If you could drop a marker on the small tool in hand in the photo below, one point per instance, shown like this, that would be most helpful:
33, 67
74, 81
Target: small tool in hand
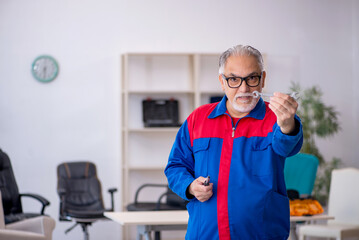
257, 94
206, 181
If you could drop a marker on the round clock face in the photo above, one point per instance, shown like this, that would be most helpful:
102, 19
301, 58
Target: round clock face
44, 68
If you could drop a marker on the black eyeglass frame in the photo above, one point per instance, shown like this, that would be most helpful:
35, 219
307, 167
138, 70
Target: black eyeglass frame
245, 79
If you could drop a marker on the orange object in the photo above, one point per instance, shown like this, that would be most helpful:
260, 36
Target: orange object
301, 207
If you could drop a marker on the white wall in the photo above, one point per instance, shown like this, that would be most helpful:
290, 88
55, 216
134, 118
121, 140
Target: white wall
355, 86
77, 115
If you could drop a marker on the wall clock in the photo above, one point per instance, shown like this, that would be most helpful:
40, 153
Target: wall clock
44, 68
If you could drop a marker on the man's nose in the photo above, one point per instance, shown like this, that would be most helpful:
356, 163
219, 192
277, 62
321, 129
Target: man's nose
244, 87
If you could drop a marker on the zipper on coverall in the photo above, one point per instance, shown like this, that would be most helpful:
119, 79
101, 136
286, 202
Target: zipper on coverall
233, 126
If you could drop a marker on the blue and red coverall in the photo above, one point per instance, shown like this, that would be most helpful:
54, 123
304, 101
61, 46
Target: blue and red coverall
245, 161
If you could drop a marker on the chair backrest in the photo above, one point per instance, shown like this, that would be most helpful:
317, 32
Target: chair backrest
300, 172
81, 185
8, 187
344, 196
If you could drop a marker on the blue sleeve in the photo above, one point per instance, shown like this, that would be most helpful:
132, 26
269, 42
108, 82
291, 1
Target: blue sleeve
180, 167
287, 145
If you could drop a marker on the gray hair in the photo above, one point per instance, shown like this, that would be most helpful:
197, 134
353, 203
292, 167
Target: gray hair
240, 50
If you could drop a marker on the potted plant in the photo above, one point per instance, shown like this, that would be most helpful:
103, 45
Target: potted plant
319, 121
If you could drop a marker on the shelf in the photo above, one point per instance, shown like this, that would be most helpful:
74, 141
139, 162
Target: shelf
144, 168
190, 78
153, 130
158, 92
172, 54
212, 92
151, 54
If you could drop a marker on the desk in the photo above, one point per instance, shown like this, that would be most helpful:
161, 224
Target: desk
149, 221
295, 219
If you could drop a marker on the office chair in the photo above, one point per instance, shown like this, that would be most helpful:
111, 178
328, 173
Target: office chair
343, 205
80, 195
37, 228
172, 200
166, 201
11, 198
300, 172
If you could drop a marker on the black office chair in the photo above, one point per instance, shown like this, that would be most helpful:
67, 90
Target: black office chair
167, 201
11, 198
172, 200
80, 195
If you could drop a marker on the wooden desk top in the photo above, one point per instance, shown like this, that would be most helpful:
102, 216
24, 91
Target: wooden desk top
310, 218
177, 217
149, 217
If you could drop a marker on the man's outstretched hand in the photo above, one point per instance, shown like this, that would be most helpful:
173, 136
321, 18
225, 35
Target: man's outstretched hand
284, 107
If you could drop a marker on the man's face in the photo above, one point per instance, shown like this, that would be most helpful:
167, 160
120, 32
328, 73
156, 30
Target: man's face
239, 104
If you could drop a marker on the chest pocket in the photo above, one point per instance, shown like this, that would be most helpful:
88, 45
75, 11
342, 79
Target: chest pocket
262, 155
261, 144
201, 156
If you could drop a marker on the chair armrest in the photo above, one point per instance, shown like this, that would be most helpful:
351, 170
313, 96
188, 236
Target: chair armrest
172, 200
147, 185
19, 235
43, 225
112, 191
158, 206
41, 199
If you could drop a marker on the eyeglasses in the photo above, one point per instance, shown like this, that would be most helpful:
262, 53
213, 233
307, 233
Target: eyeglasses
236, 82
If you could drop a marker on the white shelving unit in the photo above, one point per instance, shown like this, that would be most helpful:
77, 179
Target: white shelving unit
191, 78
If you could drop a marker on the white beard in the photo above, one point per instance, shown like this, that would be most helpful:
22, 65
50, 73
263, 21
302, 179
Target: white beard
248, 107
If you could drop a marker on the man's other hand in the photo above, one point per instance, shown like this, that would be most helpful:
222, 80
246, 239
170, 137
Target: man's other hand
200, 191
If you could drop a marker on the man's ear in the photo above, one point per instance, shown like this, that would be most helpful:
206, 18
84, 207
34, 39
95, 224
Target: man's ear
263, 80
221, 81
